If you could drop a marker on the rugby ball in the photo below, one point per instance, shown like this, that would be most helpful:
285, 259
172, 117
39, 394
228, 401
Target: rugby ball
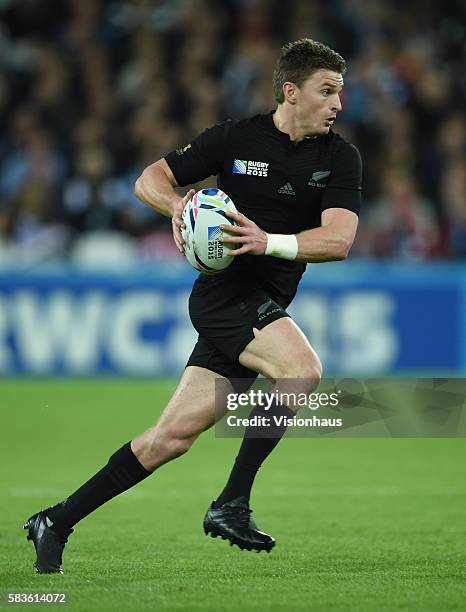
202, 216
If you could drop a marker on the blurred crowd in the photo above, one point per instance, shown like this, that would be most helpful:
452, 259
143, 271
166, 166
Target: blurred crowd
92, 91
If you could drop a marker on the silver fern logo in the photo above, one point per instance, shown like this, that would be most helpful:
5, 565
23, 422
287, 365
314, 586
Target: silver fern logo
319, 178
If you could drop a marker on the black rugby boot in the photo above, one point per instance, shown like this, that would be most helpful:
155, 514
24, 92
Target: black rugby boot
48, 543
233, 522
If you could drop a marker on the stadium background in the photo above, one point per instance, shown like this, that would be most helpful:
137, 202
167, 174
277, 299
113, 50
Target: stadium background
93, 291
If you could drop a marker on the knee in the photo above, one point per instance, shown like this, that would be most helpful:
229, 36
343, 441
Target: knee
161, 446
308, 370
171, 444
315, 371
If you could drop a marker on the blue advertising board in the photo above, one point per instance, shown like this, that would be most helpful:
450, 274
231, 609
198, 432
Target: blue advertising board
363, 319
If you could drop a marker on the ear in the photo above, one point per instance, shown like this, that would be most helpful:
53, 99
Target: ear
289, 92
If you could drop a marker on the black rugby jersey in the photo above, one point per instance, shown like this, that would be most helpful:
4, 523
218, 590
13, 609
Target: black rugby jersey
281, 186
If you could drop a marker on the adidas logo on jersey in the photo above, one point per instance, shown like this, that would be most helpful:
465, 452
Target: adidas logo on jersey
287, 189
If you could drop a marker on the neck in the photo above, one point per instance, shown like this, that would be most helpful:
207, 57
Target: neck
288, 123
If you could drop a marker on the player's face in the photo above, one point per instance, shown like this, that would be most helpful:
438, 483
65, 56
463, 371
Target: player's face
318, 102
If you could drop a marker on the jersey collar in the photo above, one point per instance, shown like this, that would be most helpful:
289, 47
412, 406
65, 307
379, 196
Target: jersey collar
286, 137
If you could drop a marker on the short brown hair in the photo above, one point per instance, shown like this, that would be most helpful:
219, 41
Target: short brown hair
300, 59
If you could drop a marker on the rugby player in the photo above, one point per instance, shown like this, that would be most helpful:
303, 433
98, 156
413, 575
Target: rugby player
297, 187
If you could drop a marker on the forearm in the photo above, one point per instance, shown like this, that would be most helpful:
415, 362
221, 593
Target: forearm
321, 244
155, 189
316, 245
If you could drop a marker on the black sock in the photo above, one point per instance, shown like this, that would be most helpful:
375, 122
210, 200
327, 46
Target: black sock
258, 443
122, 472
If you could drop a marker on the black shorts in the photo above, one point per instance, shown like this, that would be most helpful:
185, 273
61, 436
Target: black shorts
224, 312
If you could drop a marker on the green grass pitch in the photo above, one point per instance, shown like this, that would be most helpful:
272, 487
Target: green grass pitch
361, 524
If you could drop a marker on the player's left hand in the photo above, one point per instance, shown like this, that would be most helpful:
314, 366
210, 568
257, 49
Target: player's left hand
247, 235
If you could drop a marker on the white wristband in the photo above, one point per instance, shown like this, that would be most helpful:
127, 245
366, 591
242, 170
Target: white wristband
284, 246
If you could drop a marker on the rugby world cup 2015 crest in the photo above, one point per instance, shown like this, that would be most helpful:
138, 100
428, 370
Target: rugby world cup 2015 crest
251, 168
215, 248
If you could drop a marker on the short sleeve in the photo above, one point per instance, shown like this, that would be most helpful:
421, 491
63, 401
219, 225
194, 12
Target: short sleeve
343, 189
202, 158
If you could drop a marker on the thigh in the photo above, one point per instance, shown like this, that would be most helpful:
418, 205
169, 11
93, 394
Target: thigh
281, 350
190, 411
206, 355
198, 401
225, 313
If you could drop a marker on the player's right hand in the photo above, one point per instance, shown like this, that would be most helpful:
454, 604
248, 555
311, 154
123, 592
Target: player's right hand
177, 220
